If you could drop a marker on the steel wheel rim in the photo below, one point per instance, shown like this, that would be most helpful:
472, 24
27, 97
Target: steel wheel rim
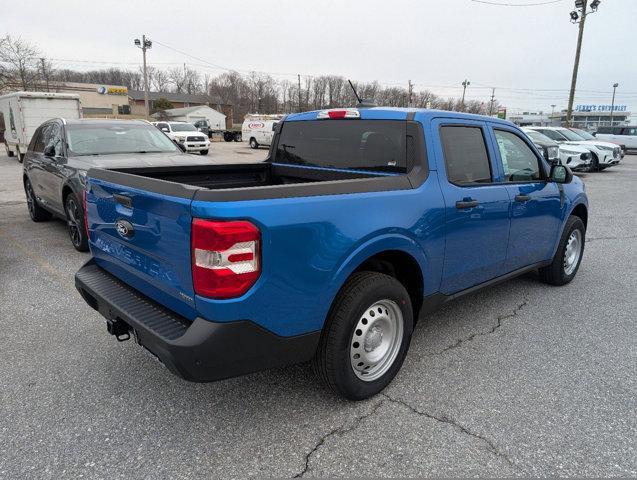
30, 205
573, 251
72, 215
376, 340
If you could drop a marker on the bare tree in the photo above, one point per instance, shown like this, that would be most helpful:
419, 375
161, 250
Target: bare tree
20, 63
177, 79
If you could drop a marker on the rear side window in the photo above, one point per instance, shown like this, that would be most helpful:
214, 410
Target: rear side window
466, 155
604, 130
377, 145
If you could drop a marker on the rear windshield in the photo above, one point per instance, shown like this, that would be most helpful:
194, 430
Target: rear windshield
377, 145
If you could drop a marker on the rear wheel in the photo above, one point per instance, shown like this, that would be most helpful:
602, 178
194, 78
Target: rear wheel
366, 336
568, 256
227, 136
594, 164
75, 223
237, 137
203, 152
9, 151
253, 143
36, 212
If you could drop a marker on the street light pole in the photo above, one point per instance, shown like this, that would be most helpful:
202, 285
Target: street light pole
552, 112
145, 44
612, 105
464, 89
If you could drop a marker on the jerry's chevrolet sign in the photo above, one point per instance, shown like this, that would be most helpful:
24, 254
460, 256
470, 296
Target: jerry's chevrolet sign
104, 90
601, 108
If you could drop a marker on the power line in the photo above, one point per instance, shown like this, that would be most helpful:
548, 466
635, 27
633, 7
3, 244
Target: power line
537, 4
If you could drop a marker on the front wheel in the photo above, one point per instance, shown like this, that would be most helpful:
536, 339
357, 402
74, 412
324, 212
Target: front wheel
9, 151
366, 336
568, 256
594, 164
254, 144
75, 223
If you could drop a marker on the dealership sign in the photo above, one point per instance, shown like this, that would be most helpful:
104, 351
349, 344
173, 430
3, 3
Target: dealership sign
601, 108
103, 90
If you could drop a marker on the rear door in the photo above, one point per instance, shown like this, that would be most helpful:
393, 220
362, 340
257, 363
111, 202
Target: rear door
476, 208
143, 237
536, 206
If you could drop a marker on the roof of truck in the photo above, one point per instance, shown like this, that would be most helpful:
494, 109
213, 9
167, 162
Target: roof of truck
395, 113
102, 121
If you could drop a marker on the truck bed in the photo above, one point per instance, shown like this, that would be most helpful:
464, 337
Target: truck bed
233, 182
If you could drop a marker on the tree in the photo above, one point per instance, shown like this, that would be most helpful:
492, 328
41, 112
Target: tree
20, 64
162, 104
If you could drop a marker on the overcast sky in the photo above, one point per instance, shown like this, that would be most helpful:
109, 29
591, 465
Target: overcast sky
525, 52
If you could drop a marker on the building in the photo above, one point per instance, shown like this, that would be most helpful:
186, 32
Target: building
97, 99
194, 114
590, 117
530, 119
179, 100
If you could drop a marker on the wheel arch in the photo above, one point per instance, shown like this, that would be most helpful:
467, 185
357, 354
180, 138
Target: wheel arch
580, 210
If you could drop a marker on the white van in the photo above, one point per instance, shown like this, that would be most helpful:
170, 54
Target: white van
626, 136
258, 129
21, 113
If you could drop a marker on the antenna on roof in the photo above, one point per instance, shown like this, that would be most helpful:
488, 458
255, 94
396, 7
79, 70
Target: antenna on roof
354, 90
362, 103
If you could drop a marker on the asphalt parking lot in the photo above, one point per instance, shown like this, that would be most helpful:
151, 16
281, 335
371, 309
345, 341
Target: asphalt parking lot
521, 379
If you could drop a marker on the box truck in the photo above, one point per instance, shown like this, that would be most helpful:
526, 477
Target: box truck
21, 113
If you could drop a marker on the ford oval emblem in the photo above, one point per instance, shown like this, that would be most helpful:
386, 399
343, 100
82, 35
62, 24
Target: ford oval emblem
125, 229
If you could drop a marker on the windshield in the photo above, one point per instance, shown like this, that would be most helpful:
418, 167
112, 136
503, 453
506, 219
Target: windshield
571, 135
553, 135
538, 137
183, 127
105, 139
584, 134
350, 144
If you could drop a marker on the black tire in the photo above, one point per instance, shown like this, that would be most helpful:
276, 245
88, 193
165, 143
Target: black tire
203, 152
237, 137
594, 164
253, 143
36, 212
20, 157
9, 152
227, 136
332, 361
75, 222
556, 273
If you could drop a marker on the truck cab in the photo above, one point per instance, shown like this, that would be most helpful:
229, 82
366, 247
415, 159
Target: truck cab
360, 221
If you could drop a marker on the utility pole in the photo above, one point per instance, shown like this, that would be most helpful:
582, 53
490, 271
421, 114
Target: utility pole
612, 105
410, 93
299, 77
492, 101
552, 112
580, 18
464, 89
145, 44
44, 74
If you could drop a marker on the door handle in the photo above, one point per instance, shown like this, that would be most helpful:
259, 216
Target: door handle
522, 198
466, 204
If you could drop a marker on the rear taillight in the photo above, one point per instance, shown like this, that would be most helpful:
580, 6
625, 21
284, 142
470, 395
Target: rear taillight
225, 257
85, 212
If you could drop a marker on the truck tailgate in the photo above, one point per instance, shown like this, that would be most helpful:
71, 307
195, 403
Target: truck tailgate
143, 238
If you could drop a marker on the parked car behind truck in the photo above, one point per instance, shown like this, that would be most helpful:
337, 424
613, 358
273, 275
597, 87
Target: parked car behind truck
359, 221
24, 112
185, 134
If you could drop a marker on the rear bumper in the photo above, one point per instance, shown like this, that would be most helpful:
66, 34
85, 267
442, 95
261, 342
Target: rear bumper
201, 350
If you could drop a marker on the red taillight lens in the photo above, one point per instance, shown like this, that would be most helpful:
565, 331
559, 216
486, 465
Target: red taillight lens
337, 113
85, 212
225, 257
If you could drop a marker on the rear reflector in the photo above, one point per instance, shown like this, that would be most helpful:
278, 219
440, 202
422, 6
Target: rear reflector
225, 257
339, 113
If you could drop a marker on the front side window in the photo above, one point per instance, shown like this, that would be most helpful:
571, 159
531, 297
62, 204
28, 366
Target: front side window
377, 145
519, 162
113, 138
37, 145
54, 139
465, 154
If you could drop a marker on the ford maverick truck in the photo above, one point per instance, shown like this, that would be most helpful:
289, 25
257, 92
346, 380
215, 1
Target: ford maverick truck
358, 222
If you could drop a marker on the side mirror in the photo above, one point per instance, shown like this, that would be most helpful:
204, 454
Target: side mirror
181, 146
49, 151
561, 174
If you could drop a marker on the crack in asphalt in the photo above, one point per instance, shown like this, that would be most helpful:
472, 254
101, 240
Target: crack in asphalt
341, 430
491, 447
497, 325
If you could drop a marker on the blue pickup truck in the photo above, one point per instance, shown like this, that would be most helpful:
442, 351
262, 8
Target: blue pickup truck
358, 222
